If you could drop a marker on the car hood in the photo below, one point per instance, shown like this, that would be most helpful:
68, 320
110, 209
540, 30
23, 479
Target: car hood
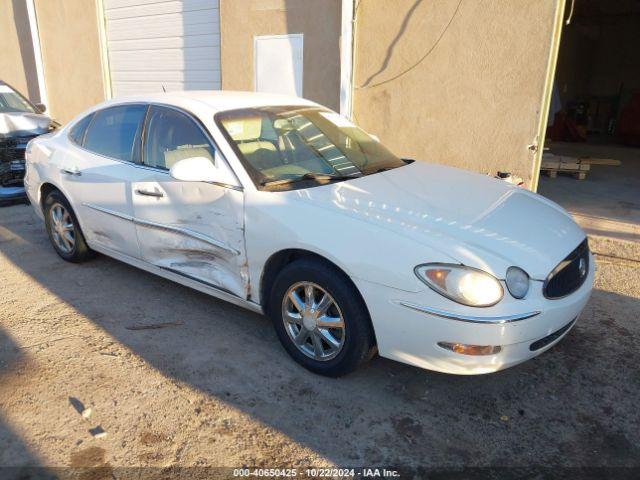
18, 124
477, 220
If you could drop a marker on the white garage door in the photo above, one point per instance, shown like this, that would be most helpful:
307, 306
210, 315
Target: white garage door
154, 44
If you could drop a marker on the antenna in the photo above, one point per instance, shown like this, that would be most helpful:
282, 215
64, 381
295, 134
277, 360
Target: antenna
164, 89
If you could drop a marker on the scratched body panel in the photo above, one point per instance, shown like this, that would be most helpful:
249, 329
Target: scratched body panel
193, 229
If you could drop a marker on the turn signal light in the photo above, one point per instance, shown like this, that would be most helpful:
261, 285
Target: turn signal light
471, 349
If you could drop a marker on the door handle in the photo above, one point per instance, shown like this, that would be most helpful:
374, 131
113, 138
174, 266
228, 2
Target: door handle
147, 193
71, 171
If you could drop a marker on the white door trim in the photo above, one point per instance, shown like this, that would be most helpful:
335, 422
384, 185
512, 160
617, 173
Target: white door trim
346, 59
37, 51
545, 102
104, 50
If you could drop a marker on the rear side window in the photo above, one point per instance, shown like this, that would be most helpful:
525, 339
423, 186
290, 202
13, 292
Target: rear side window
171, 136
77, 131
115, 131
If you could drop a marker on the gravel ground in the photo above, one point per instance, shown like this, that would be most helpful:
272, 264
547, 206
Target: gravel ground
214, 387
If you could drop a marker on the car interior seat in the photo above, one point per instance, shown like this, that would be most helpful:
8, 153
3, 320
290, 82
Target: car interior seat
260, 153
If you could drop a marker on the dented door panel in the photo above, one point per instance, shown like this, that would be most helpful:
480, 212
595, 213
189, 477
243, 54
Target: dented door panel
193, 229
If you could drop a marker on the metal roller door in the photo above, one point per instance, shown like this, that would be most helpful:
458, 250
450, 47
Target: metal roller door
153, 44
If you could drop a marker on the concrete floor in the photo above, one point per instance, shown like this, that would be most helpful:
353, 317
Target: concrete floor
215, 388
607, 202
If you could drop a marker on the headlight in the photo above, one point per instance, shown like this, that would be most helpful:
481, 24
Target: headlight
465, 285
517, 282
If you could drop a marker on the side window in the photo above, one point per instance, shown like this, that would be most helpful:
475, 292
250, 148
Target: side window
77, 131
114, 131
172, 136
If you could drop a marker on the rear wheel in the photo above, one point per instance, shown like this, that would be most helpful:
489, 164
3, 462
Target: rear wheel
64, 230
320, 318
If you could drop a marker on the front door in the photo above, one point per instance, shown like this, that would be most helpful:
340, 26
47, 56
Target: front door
194, 229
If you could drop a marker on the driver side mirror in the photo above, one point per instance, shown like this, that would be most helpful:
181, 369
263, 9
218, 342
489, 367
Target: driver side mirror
201, 169
41, 107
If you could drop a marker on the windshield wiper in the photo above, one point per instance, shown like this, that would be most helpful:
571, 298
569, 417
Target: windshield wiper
306, 176
379, 170
386, 169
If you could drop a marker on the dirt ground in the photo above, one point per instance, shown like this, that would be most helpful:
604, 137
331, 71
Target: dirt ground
214, 388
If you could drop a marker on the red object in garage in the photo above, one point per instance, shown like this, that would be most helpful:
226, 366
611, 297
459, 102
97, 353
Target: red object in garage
629, 124
565, 129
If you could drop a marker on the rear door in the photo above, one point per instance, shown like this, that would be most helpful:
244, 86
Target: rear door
98, 171
194, 229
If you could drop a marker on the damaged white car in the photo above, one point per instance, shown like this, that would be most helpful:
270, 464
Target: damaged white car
284, 207
20, 121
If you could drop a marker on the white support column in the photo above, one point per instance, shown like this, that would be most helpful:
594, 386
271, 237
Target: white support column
104, 51
543, 116
37, 52
346, 59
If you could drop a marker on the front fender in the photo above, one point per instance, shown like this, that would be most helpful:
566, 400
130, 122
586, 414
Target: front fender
360, 249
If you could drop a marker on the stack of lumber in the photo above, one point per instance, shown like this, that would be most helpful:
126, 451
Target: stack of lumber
577, 166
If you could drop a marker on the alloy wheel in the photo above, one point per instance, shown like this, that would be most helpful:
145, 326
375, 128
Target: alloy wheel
62, 228
313, 321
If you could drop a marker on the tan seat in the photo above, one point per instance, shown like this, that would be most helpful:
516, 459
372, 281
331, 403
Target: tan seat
246, 132
171, 157
260, 154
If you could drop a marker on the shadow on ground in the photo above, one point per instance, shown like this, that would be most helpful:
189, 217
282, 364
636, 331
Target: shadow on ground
575, 405
16, 459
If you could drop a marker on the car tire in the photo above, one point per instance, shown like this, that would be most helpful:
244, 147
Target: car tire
64, 230
356, 338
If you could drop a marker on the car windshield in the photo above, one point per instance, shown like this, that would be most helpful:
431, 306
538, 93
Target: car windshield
11, 101
283, 146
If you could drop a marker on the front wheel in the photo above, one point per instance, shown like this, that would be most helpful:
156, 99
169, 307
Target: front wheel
320, 318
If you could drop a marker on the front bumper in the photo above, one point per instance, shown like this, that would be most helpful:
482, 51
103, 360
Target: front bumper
12, 168
12, 193
12, 180
411, 335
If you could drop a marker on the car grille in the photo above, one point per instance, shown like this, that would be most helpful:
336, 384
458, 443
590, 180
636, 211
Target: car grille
543, 342
12, 160
570, 273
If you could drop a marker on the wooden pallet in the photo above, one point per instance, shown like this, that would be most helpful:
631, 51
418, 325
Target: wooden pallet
554, 164
553, 173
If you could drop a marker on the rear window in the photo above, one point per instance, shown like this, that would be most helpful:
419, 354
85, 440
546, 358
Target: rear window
114, 132
77, 131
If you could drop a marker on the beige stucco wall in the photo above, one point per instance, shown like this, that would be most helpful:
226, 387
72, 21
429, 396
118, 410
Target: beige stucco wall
71, 55
318, 20
454, 82
17, 64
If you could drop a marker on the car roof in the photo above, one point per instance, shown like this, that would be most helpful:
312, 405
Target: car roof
218, 100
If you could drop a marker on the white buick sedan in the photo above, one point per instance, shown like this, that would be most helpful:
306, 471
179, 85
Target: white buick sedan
284, 207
